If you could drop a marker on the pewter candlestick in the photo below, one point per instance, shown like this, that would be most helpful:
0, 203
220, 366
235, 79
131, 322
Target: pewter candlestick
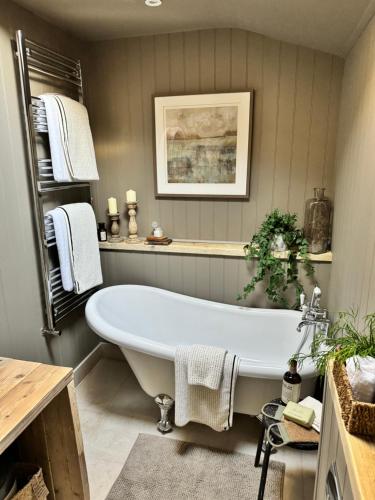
115, 228
133, 228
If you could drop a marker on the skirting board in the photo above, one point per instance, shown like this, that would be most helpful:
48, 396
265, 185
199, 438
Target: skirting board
102, 350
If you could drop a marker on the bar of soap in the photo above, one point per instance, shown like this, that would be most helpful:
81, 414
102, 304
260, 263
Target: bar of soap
299, 414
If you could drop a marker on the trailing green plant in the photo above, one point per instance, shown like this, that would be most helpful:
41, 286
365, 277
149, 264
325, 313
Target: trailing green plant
278, 275
347, 337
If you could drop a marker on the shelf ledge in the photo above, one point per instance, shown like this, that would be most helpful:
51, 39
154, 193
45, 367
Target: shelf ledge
198, 247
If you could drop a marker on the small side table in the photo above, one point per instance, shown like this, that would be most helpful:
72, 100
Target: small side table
39, 416
266, 422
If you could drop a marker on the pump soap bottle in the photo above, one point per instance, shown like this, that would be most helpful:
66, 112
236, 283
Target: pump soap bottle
291, 388
102, 232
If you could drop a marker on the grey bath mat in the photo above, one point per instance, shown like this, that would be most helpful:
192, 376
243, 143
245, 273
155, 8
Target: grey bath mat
160, 468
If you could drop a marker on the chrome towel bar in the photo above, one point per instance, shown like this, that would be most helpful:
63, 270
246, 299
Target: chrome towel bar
47, 62
52, 186
39, 115
64, 302
65, 72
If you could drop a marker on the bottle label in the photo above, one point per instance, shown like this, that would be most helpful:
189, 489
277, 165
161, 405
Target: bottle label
290, 392
103, 236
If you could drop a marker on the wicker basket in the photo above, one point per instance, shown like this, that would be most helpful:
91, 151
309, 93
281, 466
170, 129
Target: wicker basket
359, 418
30, 480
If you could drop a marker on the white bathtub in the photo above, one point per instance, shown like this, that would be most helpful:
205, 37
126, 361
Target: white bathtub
148, 323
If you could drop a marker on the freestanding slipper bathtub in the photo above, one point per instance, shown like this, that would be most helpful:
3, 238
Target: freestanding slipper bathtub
148, 323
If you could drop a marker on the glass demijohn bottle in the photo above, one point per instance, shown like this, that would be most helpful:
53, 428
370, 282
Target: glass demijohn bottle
317, 226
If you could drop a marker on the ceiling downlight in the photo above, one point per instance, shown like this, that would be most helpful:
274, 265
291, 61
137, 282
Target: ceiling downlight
153, 3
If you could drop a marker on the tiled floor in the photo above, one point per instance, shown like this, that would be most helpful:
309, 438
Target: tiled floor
113, 410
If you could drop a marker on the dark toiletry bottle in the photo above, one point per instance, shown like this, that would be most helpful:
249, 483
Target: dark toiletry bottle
291, 389
102, 232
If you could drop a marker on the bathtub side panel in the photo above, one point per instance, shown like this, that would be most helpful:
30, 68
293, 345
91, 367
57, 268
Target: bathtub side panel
155, 375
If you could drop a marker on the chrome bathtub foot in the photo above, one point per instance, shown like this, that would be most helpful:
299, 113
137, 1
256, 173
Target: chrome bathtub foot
165, 403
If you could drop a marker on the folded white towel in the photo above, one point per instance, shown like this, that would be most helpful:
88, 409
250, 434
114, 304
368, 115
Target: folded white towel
64, 250
196, 403
361, 375
72, 147
57, 139
205, 366
85, 248
77, 246
79, 145
317, 406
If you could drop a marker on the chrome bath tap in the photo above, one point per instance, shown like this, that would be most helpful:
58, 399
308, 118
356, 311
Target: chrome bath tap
312, 314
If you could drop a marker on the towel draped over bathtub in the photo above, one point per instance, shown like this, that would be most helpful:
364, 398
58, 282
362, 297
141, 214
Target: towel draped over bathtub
198, 403
205, 366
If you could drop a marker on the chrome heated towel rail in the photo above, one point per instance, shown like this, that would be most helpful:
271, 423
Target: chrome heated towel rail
35, 59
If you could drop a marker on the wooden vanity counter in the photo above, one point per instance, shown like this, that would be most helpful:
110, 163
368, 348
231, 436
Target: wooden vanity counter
354, 455
38, 413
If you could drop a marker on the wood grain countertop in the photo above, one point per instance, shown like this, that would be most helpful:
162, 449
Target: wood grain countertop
26, 388
359, 453
192, 247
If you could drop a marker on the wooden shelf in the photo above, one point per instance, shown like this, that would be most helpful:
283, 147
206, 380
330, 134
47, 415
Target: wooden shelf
190, 247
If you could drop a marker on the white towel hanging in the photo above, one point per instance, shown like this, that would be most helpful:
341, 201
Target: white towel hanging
77, 246
71, 144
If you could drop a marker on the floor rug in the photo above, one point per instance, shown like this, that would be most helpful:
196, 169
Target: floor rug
160, 468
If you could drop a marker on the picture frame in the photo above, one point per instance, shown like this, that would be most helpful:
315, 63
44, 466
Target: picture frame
203, 145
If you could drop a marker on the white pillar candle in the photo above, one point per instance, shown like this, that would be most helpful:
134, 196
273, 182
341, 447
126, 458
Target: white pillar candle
112, 206
131, 196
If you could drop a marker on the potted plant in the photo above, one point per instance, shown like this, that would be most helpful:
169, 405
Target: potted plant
348, 340
279, 231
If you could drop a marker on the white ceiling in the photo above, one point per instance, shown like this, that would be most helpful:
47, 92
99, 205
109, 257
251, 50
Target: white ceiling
328, 25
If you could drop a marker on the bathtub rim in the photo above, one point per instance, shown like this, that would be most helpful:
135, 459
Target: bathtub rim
127, 340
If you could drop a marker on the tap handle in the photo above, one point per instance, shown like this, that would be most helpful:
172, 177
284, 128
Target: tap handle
302, 299
317, 291
315, 298
305, 309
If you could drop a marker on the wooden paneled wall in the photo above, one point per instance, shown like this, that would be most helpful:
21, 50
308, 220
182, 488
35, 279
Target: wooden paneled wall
353, 271
296, 106
214, 278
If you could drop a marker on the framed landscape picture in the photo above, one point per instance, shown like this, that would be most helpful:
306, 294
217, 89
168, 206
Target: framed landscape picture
203, 145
